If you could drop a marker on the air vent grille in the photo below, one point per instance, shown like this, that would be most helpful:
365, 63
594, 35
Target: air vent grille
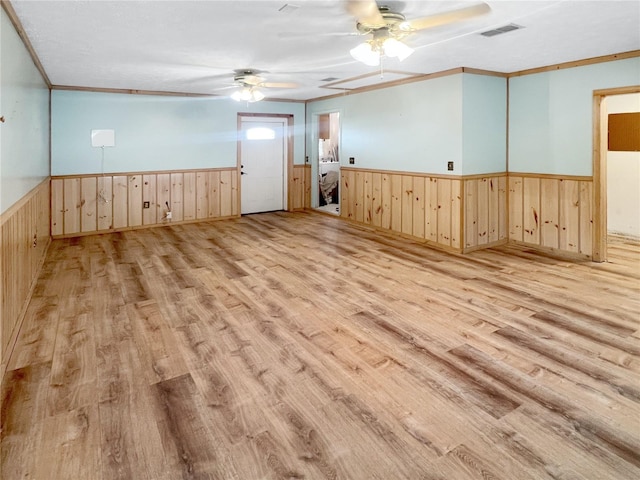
500, 30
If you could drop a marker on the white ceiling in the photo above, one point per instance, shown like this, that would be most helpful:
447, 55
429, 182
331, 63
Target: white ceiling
194, 46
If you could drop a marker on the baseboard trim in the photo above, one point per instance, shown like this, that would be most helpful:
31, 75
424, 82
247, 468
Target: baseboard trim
141, 227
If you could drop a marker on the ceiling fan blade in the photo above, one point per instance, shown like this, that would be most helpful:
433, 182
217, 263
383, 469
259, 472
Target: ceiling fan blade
227, 87
445, 18
366, 12
278, 85
285, 35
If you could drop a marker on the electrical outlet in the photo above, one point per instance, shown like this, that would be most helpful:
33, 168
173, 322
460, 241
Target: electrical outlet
450, 166
146, 204
352, 160
168, 215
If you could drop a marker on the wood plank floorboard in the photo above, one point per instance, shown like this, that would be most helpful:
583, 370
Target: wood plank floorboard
300, 346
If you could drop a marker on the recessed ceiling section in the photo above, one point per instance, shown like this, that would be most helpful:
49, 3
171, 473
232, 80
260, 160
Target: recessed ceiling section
371, 79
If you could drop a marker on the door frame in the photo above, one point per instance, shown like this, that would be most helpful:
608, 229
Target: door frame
288, 166
600, 131
315, 154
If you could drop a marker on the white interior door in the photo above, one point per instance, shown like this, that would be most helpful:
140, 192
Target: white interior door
263, 154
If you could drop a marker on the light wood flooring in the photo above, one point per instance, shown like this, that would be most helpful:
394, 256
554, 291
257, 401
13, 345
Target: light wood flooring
299, 346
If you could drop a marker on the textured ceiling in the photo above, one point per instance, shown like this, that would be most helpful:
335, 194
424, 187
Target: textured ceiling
194, 46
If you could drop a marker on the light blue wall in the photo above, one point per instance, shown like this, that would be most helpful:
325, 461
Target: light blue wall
419, 127
484, 129
551, 120
153, 132
416, 127
24, 102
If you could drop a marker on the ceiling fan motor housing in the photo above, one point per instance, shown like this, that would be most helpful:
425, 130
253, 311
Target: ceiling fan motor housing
391, 20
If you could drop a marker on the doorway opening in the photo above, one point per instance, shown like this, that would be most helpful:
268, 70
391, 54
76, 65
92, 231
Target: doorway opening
329, 163
616, 208
264, 162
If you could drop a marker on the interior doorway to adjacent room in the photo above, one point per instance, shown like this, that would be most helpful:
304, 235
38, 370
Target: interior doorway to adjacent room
328, 163
616, 164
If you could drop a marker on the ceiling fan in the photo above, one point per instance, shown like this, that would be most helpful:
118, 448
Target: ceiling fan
251, 85
388, 27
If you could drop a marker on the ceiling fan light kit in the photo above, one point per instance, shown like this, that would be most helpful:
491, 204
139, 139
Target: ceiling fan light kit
388, 28
381, 44
247, 94
250, 82
366, 54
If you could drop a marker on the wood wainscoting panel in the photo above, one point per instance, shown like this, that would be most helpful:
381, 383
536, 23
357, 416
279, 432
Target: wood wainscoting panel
105, 204
150, 214
360, 197
503, 220
120, 203
57, 207
86, 204
457, 215
376, 199
24, 238
396, 202
485, 211
385, 217
347, 193
550, 215
163, 193
296, 188
72, 205
471, 220
552, 212
531, 210
482, 209
189, 192
569, 215
407, 204
516, 209
417, 205
226, 192
307, 186
431, 209
177, 197
586, 217
300, 187
202, 195
368, 197
134, 201
444, 213
214, 194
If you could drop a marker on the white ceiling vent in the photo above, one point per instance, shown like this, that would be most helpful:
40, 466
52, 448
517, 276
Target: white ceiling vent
500, 30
